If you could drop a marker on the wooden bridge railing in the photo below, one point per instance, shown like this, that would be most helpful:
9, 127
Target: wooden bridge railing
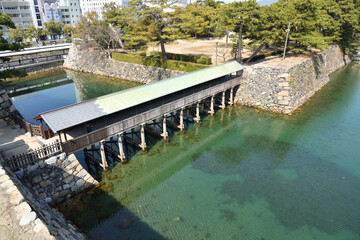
96, 136
33, 156
37, 130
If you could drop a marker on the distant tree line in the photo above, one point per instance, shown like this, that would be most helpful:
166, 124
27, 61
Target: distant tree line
18, 35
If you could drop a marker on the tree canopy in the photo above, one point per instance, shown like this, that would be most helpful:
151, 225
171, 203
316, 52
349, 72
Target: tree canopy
54, 28
313, 23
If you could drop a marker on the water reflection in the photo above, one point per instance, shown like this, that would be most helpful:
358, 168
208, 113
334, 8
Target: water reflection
51, 96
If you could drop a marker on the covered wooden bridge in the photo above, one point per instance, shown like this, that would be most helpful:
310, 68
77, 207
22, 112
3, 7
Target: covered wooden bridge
183, 97
35, 56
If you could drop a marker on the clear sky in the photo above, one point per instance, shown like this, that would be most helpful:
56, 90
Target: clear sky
261, 2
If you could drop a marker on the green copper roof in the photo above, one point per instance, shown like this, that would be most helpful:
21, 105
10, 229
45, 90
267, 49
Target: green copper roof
131, 97
79, 113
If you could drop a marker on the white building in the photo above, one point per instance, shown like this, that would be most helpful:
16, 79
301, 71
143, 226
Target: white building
23, 13
51, 12
87, 6
69, 11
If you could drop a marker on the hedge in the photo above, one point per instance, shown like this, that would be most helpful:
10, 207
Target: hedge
155, 62
265, 55
184, 58
12, 73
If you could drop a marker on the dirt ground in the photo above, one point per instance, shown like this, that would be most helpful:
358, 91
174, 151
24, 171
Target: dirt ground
207, 47
202, 47
14, 141
278, 62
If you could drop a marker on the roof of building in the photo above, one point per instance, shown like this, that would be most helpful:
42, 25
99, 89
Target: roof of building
72, 115
35, 50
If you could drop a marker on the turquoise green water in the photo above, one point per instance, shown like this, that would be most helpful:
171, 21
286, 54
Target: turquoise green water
84, 86
244, 174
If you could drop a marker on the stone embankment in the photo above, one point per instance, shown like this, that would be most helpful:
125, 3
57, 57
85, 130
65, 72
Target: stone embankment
99, 63
57, 178
6, 107
284, 89
26, 216
356, 55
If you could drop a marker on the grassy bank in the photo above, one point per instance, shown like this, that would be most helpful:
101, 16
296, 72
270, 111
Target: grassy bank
155, 62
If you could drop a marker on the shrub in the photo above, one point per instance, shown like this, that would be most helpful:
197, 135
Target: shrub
265, 55
202, 60
11, 73
154, 62
68, 40
183, 57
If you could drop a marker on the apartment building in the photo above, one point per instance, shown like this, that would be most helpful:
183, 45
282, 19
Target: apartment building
69, 11
87, 6
51, 12
23, 13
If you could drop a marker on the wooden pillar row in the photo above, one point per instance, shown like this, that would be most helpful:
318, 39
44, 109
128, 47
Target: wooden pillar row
103, 156
223, 101
164, 133
211, 106
142, 132
181, 126
121, 147
231, 100
197, 118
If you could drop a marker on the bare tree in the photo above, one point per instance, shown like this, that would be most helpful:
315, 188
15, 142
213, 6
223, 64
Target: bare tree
96, 33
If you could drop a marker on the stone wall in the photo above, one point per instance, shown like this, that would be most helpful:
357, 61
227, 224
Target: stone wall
356, 55
6, 107
57, 178
44, 67
285, 89
44, 221
98, 63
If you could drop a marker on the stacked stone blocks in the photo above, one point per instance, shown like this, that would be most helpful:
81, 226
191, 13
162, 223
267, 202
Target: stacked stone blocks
285, 89
98, 62
58, 178
31, 211
6, 107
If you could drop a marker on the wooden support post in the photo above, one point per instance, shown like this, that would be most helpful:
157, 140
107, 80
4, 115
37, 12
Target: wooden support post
222, 117
211, 106
103, 157
231, 100
197, 118
143, 143
60, 136
42, 129
112, 144
93, 148
181, 126
223, 101
121, 148
65, 136
164, 133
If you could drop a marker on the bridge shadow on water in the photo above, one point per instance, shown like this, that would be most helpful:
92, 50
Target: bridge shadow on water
131, 145
107, 218
103, 216
102, 212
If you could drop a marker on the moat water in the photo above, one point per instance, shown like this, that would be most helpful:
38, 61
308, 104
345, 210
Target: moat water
243, 174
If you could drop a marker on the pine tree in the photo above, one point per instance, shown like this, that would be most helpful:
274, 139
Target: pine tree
156, 22
237, 17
